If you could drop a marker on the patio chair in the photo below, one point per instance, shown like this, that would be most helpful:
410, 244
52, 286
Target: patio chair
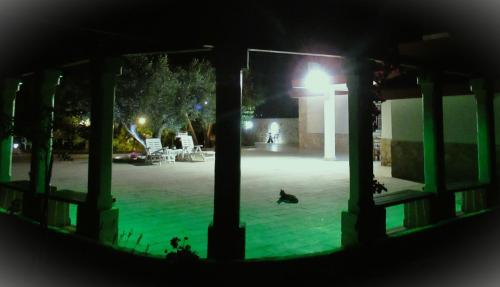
190, 151
155, 153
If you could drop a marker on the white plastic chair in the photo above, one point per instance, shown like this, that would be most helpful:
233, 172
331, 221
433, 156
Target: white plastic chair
190, 151
155, 153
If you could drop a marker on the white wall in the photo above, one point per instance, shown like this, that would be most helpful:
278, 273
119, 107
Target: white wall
315, 110
315, 115
386, 120
407, 119
459, 119
341, 114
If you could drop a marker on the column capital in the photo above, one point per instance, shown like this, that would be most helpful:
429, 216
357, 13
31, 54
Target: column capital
113, 65
51, 76
357, 65
230, 56
109, 65
428, 77
479, 84
11, 84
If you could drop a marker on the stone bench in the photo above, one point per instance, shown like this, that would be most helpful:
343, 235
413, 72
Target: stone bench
58, 201
416, 205
473, 194
465, 186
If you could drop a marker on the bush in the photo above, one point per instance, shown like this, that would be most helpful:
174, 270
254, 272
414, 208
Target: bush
181, 251
124, 143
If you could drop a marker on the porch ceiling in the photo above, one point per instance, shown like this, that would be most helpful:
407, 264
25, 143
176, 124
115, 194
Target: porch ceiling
52, 32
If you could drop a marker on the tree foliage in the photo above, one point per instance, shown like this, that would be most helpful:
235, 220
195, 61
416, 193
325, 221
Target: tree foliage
172, 99
168, 98
72, 112
252, 96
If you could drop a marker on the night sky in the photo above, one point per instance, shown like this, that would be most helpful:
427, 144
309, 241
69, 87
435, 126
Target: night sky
273, 73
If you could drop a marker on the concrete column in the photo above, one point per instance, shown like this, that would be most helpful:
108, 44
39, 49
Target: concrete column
433, 143
8, 91
226, 236
96, 218
362, 222
486, 158
329, 115
45, 88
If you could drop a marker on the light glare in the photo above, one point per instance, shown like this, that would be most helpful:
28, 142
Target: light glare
85, 122
141, 120
274, 128
248, 125
317, 80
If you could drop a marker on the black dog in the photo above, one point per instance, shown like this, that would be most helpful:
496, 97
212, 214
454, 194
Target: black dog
287, 198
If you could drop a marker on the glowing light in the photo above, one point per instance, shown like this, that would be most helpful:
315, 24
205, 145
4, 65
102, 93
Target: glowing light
317, 80
206, 102
248, 125
16, 145
85, 122
141, 120
274, 128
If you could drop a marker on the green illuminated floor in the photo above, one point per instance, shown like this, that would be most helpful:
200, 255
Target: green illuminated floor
157, 203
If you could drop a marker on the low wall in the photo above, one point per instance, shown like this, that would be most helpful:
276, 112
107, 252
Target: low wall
285, 130
460, 161
314, 141
385, 152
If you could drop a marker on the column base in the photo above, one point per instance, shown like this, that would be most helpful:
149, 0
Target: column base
417, 213
365, 228
226, 244
98, 225
493, 196
442, 207
8, 196
473, 200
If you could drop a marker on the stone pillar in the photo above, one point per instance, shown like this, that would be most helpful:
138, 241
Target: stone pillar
226, 236
443, 205
362, 223
8, 91
97, 218
329, 124
45, 84
476, 200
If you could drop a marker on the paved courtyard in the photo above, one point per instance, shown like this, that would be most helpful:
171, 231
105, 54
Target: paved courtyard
157, 202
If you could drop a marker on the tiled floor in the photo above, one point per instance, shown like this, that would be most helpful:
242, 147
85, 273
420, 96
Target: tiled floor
157, 203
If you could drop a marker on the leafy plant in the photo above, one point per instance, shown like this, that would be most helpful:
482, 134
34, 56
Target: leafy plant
181, 251
378, 187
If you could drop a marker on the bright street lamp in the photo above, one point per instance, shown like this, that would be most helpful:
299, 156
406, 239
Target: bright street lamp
141, 120
317, 80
